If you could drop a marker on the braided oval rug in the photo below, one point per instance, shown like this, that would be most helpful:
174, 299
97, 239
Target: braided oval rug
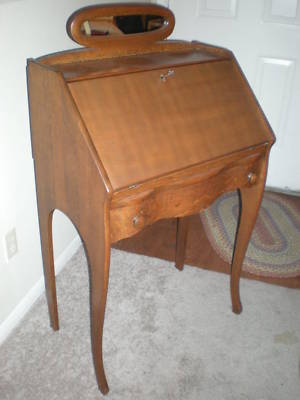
274, 249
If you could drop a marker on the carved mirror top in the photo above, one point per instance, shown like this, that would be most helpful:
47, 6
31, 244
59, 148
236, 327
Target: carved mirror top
120, 25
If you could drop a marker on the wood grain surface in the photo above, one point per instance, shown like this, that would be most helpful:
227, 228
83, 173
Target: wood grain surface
83, 54
143, 127
177, 196
90, 69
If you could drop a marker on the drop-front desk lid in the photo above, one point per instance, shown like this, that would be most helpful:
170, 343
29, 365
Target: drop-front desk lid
144, 125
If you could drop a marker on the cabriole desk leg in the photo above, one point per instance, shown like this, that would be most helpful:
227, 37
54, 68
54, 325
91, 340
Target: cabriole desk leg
250, 200
97, 247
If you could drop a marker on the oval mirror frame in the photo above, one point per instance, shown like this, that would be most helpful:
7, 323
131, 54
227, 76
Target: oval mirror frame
79, 17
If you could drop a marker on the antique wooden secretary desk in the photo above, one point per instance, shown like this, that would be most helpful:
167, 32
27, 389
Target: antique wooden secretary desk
133, 128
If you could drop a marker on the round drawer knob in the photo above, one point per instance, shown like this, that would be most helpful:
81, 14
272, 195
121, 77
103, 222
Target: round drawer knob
135, 220
252, 178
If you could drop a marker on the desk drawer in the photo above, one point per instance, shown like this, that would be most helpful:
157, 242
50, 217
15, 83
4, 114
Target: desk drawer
180, 195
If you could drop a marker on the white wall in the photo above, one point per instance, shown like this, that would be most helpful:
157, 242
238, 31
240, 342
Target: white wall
28, 28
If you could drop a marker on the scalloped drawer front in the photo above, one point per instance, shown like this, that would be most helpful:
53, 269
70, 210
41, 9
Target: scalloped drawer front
180, 198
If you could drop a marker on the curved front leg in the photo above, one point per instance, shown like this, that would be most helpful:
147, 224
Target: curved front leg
97, 248
250, 200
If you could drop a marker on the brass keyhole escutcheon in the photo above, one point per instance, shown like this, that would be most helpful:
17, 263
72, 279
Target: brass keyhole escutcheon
164, 77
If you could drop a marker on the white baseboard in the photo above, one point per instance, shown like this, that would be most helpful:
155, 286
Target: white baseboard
18, 313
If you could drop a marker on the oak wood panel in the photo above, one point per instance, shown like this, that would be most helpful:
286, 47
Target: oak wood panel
180, 198
133, 63
143, 127
186, 176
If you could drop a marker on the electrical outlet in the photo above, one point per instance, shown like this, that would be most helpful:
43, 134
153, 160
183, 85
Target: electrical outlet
11, 244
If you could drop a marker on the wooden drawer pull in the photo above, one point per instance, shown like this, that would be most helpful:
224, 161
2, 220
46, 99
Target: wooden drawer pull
252, 178
135, 220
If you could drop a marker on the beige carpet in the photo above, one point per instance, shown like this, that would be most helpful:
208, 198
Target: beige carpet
168, 335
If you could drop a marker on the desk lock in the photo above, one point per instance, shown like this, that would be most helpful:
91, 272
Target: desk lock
164, 77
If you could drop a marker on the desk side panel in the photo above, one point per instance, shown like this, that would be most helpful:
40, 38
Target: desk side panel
69, 178
68, 174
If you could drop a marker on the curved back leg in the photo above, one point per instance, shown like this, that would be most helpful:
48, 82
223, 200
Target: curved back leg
250, 201
181, 241
45, 221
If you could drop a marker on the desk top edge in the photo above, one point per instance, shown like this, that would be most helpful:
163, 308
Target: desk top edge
85, 54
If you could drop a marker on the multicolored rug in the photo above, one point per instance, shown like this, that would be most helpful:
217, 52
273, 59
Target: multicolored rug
274, 249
